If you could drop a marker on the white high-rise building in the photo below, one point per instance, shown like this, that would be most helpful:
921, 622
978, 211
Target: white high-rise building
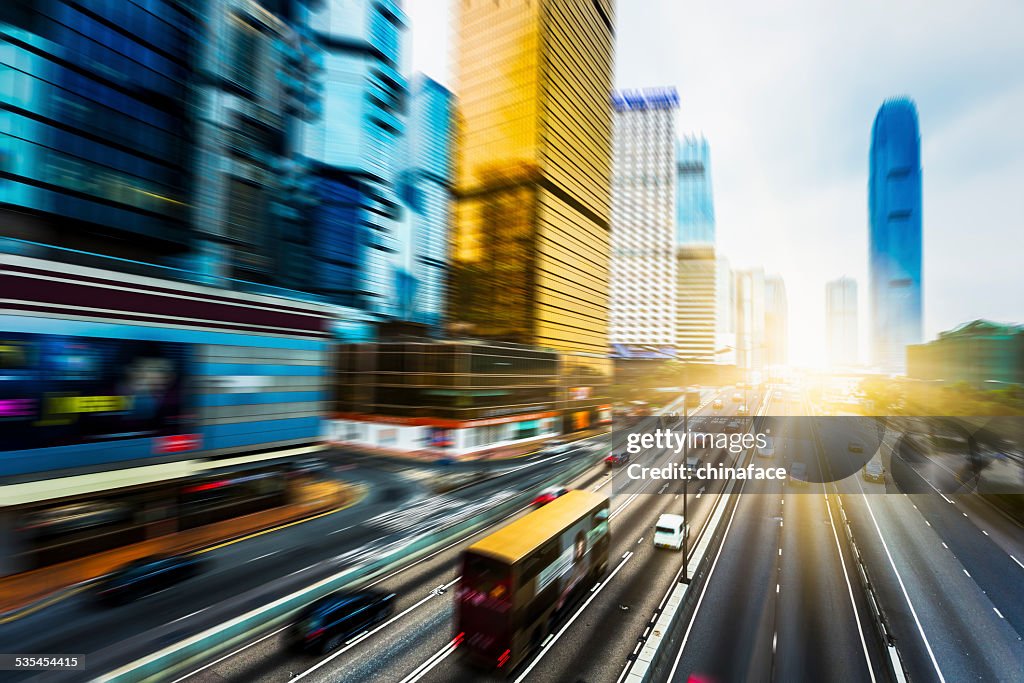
725, 312
776, 321
750, 319
841, 321
643, 262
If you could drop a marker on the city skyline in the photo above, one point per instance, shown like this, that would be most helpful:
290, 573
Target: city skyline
791, 153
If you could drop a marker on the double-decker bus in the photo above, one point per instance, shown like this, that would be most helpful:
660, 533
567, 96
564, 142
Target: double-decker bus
516, 581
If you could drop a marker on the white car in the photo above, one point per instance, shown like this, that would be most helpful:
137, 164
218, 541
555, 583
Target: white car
670, 531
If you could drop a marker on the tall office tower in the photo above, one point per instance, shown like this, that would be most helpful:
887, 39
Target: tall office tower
252, 87
841, 321
894, 206
642, 306
533, 179
695, 207
353, 149
425, 189
531, 245
776, 321
750, 318
95, 143
725, 312
695, 303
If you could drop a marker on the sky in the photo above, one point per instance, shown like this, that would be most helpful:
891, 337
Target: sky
786, 93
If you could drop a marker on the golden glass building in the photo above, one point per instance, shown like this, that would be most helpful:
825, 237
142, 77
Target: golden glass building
531, 239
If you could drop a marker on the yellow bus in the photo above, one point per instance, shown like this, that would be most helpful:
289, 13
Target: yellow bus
516, 581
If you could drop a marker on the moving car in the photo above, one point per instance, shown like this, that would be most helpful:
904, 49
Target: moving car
670, 531
548, 495
327, 623
716, 404
768, 450
855, 447
146, 576
617, 459
742, 410
693, 463
798, 474
873, 471
556, 447
737, 397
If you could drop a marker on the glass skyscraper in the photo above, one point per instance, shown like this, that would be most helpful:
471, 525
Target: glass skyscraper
894, 207
352, 149
695, 208
94, 129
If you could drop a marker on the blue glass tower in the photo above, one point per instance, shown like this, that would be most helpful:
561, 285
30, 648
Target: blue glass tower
695, 208
353, 148
894, 208
426, 190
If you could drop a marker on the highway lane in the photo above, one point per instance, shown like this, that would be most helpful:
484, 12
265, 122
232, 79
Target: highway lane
423, 625
777, 604
251, 572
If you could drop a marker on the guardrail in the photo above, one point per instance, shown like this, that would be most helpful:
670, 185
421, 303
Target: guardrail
207, 645
896, 669
643, 668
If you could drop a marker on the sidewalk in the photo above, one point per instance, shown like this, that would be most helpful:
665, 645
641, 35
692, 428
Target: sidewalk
21, 594
427, 456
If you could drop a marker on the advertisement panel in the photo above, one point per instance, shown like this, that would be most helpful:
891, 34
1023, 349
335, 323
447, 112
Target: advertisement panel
58, 390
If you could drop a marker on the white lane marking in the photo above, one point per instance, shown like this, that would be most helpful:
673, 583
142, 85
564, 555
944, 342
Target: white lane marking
965, 514
984, 532
968, 573
192, 614
946, 499
849, 588
780, 552
944, 545
641, 540
701, 493
927, 522
338, 531
996, 610
775, 639
704, 588
776, 589
231, 654
545, 648
1017, 561
906, 595
273, 552
434, 659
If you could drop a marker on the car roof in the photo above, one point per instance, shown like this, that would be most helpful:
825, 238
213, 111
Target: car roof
671, 519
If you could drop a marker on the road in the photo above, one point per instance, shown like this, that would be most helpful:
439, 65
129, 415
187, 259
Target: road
415, 644
781, 602
264, 567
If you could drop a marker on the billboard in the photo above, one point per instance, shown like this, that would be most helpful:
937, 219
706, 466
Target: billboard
58, 390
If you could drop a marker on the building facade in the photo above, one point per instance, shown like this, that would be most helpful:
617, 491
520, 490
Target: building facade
750, 318
894, 208
841, 329
695, 324
776, 321
642, 308
531, 246
425, 188
695, 215
725, 312
351, 242
983, 353
96, 126
449, 398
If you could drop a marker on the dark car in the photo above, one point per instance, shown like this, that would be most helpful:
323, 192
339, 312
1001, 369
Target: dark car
146, 576
327, 623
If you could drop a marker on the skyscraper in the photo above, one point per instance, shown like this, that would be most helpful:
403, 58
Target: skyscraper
695, 217
353, 149
725, 312
841, 321
894, 206
750, 318
643, 263
425, 190
531, 242
695, 333
776, 321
